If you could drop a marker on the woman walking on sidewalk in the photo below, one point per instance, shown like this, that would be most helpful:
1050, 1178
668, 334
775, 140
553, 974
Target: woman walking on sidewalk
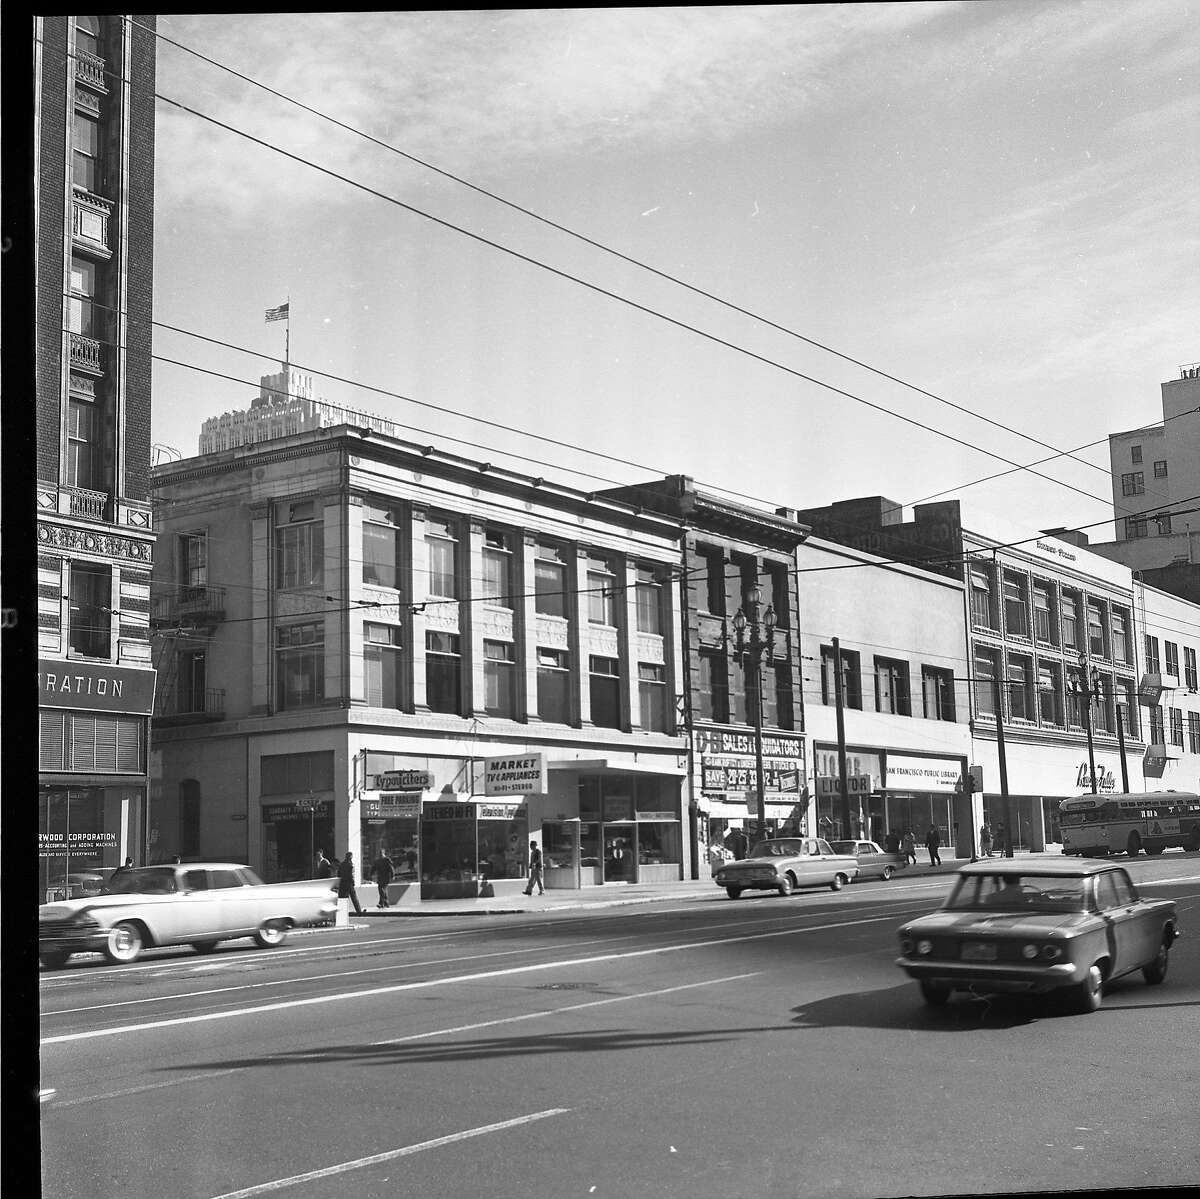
908, 847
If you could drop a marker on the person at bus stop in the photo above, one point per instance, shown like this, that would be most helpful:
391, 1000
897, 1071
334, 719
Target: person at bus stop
908, 847
933, 842
985, 840
346, 882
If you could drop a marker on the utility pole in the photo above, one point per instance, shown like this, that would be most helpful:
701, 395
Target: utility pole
843, 790
1000, 751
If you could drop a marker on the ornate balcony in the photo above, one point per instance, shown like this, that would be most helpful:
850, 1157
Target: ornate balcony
86, 503
89, 69
192, 705
85, 354
90, 221
191, 606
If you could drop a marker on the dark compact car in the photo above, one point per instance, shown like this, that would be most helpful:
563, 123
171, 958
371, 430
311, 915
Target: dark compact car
1067, 926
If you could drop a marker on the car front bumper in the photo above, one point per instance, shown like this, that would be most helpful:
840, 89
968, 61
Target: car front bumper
82, 940
1000, 976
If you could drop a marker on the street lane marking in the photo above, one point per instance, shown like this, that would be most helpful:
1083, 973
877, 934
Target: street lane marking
480, 976
571, 1007
264, 1188
150, 1086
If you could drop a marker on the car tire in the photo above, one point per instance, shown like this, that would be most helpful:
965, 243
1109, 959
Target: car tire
787, 885
1193, 842
270, 934
733, 892
54, 959
887, 874
838, 882
1156, 971
124, 943
204, 946
1134, 845
1154, 850
934, 995
1087, 995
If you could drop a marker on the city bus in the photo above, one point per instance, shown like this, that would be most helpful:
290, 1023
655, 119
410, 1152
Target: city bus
1094, 825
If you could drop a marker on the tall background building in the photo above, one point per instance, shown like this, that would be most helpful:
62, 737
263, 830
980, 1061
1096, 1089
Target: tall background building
93, 151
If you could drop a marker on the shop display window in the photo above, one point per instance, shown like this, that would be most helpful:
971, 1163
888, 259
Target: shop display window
460, 849
396, 836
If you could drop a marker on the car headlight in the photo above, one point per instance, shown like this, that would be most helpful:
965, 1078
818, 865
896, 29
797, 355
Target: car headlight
1029, 952
924, 948
1052, 952
906, 945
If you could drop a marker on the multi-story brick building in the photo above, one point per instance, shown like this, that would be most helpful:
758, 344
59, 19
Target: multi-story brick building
369, 644
93, 212
737, 562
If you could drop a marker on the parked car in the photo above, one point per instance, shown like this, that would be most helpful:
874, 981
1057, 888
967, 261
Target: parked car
1068, 926
873, 862
784, 863
197, 904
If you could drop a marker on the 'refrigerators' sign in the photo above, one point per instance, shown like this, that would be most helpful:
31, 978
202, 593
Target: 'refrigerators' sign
95, 687
516, 774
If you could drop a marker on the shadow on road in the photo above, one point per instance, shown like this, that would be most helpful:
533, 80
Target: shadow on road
487, 1048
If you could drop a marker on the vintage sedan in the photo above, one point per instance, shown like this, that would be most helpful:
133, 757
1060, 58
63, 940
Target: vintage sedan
873, 862
197, 904
784, 863
1066, 926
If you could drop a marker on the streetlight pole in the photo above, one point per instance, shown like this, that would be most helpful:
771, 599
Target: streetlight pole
752, 640
1087, 685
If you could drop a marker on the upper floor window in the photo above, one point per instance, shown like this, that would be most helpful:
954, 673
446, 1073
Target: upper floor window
985, 681
1135, 526
891, 687
85, 152
193, 562
443, 672
1133, 483
1189, 668
300, 664
1050, 693
714, 578
937, 688
87, 35
1193, 733
1157, 736
83, 457
778, 574
441, 548
497, 568
1120, 636
383, 665
785, 700
550, 579
300, 554
713, 690
1160, 470
81, 315
381, 546
1162, 523
601, 591
1020, 688
851, 678
605, 686
90, 625
1177, 727
1095, 619
554, 685
652, 696
1135, 455
1153, 665
1043, 608
1016, 600
983, 612
499, 679
1070, 620
649, 600
1172, 654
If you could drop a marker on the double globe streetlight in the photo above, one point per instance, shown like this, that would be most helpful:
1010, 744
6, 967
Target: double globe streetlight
754, 640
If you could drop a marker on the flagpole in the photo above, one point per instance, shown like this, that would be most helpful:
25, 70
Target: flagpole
287, 335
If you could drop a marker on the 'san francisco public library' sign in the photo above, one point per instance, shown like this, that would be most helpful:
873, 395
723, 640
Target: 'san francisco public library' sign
95, 686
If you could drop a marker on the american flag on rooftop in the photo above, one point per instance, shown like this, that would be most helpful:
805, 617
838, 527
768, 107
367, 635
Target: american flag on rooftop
278, 314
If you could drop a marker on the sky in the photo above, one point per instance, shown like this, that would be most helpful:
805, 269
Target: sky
938, 241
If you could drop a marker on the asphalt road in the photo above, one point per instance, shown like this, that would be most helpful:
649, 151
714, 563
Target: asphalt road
678, 1049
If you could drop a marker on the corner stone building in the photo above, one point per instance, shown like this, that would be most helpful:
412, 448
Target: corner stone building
93, 112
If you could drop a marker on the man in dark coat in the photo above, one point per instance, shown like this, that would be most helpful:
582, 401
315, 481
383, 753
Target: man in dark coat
346, 882
933, 841
384, 873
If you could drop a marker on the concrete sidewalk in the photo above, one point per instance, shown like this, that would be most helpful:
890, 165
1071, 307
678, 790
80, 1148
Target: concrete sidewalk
609, 895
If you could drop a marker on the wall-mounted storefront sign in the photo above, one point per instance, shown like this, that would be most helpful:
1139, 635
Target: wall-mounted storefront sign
499, 811
279, 813
402, 780
449, 811
95, 687
391, 807
1106, 781
515, 774
856, 784
731, 741
728, 768
906, 773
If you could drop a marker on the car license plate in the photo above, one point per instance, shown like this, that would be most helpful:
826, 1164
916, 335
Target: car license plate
979, 951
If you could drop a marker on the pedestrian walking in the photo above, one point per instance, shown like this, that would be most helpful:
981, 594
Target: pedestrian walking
324, 865
933, 842
535, 869
908, 847
1000, 835
384, 873
346, 882
985, 840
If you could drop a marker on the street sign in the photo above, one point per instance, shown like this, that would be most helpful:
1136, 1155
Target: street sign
305, 803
